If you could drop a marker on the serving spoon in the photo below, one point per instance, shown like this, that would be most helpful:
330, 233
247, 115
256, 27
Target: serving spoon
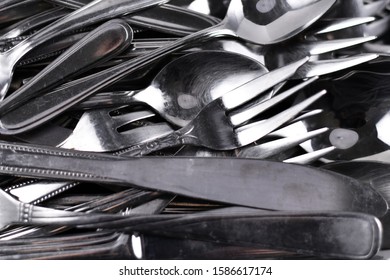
248, 20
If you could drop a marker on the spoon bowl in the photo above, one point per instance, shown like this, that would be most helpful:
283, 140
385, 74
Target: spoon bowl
178, 93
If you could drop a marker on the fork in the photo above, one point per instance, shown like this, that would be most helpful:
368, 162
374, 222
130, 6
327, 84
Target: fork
109, 204
96, 131
27, 116
114, 139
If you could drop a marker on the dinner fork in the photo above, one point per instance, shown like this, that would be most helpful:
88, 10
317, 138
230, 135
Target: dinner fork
215, 129
13, 212
113, 139
139, 202
97, 130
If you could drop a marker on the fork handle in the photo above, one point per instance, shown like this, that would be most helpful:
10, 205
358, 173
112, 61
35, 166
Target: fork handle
173, 139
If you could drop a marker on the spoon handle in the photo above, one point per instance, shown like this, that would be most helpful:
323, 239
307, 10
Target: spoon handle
108, 99
100, 44
94, 12
48, 106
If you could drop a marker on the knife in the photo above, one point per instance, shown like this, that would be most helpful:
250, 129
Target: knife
245, 182
274, 235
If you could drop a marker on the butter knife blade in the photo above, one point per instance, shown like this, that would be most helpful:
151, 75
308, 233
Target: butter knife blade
246, 182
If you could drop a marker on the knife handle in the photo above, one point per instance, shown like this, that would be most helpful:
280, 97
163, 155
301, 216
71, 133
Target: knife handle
344, 235
339, 235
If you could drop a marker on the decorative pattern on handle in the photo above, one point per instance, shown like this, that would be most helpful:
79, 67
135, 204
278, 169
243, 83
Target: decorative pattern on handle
25, 212
173, 139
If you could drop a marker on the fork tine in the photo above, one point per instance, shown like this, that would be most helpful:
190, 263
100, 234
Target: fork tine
131, 117
253, 88
332, 25
320, 47
253, 132
272, 148
310, 157
307, 115
295, 125
373, 8
323, 67
247, 114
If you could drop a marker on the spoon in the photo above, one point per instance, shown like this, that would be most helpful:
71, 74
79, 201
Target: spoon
179, 94
248, 20
95, 11
211, 7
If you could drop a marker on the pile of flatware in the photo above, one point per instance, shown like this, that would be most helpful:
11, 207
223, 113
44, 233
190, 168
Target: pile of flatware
220, 129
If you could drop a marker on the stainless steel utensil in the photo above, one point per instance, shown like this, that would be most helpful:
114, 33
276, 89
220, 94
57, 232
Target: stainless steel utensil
45, 107
253, 183
32, 22
323, 235
249, 27
19, 10
165, 18
92, 13
178, 95
131, 198
97, 46
377, 175
95, 131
